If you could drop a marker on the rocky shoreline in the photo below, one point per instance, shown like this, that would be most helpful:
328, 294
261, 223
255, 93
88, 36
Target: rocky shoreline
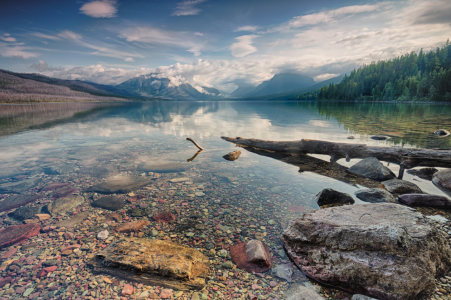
197, 206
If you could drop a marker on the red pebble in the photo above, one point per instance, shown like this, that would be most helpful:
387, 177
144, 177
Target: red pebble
127, 290
50, 269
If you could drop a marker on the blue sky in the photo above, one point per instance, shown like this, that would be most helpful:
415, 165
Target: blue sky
212, 43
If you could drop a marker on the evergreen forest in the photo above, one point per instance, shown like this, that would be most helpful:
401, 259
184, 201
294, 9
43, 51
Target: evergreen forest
411, 77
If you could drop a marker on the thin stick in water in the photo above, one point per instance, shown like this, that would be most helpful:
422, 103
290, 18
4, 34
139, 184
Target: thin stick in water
195, 144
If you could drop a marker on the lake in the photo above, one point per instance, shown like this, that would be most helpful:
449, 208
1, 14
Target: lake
82, 144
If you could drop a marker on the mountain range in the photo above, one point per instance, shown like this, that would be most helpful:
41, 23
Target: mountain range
151, 87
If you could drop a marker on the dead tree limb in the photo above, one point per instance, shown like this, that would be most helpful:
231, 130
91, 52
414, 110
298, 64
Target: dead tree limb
406, 158
195, 144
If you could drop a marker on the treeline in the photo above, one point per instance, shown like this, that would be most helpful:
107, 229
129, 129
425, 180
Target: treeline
411, 77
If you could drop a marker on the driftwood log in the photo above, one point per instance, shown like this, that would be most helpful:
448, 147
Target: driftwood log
404, 157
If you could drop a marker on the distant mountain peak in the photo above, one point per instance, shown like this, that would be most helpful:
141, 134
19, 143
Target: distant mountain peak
280, 83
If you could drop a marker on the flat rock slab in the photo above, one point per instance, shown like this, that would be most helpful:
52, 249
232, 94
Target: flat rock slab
112, 203
18, 201
251, 258
15, 234
73, 221
54, 186
372, 168
19, 187
132, 226
120, 185
442, 179
398, 186
157, 262
425, 200
63, 205
232, 155
384, 250
375, 195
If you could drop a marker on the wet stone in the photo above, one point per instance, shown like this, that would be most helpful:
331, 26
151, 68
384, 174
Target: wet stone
63, 205
120, 185
24, 212
397, 186
375, 195
137, 212
169, 167
18, 201
19, 187
159, 262
15, 234
424, 173
112, 203
330, 196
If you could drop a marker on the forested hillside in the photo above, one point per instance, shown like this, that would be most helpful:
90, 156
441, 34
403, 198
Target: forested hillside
411, 77
14, 89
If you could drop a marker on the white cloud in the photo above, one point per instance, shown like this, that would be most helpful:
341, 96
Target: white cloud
15, 50
129, 59
152, 35
67, 34
243, 46
327, 16
247, 28
324, 76
42, 66
187, 8
100, 74
100, 9
45, 36
7, 38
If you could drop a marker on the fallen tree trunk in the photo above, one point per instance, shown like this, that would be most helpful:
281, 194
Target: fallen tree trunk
406, 158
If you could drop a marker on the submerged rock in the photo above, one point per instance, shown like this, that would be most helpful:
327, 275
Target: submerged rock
18, 187
164, 217
63, 205
73, 221
18, 201
109, 202
169, 167
132, 226
252, 256
398, 186
442, 180
158, 263
120, 185
232, 155
375, 195
330, 196
379, 137
372, 168
24, 213
284, 271
300, 292
335, 245
137, 212
442, 132
424, 173
425, 200
15, 234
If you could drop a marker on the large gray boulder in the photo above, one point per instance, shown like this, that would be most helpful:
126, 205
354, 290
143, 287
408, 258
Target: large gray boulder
372, 168
383, 250
442, 179
375, 195
400, 187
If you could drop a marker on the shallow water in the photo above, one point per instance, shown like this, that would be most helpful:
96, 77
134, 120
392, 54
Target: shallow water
84, 144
